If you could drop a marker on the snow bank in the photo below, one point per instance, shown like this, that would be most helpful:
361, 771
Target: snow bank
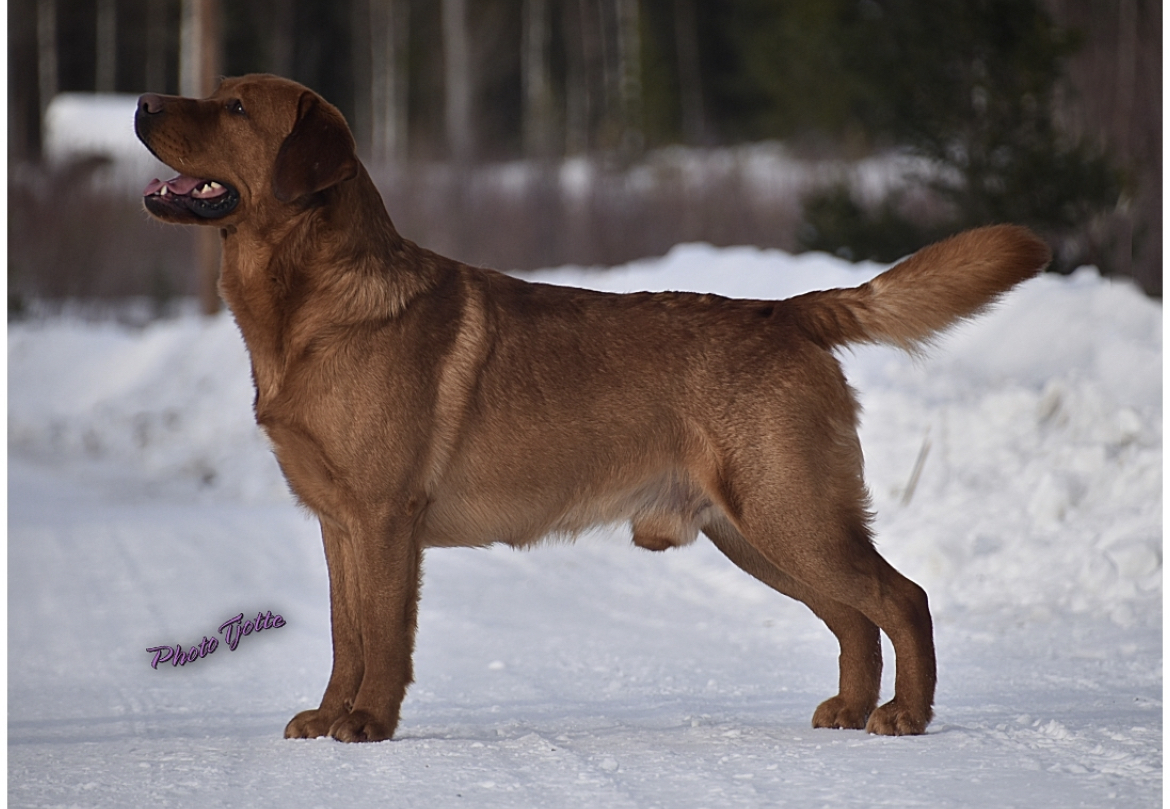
1038, 428
145, 509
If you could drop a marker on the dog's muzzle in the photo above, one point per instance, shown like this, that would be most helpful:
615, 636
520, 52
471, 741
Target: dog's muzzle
183, 195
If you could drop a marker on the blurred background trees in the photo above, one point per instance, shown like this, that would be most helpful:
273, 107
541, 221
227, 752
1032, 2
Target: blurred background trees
1042, 112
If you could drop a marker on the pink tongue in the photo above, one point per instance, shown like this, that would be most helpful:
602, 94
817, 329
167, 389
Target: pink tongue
182, 186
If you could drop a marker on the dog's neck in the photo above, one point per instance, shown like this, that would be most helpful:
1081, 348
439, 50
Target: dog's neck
267, 292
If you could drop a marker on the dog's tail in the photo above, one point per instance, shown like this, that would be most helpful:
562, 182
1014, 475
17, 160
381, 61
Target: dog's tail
931, 290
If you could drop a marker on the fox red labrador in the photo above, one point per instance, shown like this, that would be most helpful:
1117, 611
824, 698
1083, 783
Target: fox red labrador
415, 402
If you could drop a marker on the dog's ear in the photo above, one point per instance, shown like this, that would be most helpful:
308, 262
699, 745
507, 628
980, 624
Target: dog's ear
317, 154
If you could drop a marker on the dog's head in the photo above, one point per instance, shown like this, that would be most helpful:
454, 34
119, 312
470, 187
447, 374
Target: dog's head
258, 142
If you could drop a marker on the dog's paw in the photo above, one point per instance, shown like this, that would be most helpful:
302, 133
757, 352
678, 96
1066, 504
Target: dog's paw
310, 724
361, 726
835, 712
893, 720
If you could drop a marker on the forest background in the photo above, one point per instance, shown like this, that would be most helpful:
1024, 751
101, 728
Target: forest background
533, 133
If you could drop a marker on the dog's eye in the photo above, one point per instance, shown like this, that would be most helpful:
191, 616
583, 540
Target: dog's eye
236, 107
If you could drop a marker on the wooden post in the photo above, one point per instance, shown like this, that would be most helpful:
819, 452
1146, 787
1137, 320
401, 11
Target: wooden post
537, 105
105, 69
578, 59
46, 56
387, 24
629, 48
457, 81
1127, 40
199, 68
156, 47
690, 88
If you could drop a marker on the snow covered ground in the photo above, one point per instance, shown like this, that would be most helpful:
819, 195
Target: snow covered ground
145, 509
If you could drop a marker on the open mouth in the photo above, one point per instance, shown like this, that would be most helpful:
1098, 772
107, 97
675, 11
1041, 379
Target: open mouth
206, 199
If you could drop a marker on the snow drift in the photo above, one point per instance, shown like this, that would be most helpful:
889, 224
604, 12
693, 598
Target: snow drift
1016, 474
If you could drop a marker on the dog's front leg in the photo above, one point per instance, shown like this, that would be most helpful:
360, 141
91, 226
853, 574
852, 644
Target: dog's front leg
389, 566
345, 615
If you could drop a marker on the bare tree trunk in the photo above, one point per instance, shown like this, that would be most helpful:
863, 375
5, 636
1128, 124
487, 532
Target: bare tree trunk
199, 65
609, 74
46, 55
283, 29
686, 37
537, 81
1115, 101
105, 69
579, 55
457, 118
629, 51
156, 46
199, 48
618, 76
388, 25
361, 43
1146, 145
630, 72
457, 81
1126, 71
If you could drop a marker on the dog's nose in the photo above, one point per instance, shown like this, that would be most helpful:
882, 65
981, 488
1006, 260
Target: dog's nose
150, 103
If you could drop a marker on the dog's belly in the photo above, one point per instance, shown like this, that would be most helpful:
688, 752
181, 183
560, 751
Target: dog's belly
665, 511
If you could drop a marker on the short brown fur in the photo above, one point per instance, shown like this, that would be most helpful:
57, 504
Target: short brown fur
416, 402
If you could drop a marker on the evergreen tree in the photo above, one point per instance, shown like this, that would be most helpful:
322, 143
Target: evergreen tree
971, 85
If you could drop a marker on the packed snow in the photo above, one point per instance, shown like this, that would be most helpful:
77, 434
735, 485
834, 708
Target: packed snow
1016, 473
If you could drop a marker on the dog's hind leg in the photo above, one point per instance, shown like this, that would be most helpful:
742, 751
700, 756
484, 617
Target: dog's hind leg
860, 660
831, 553
797, 495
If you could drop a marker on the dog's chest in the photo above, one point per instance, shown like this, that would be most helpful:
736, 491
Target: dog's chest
305, 427
306, 465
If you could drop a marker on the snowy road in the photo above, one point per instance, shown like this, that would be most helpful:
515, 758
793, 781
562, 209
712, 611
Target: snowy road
144, 510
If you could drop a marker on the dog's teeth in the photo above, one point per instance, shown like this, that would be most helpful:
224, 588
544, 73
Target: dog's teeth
214, 185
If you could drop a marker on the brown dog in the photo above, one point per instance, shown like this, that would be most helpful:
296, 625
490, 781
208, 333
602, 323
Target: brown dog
415, 402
